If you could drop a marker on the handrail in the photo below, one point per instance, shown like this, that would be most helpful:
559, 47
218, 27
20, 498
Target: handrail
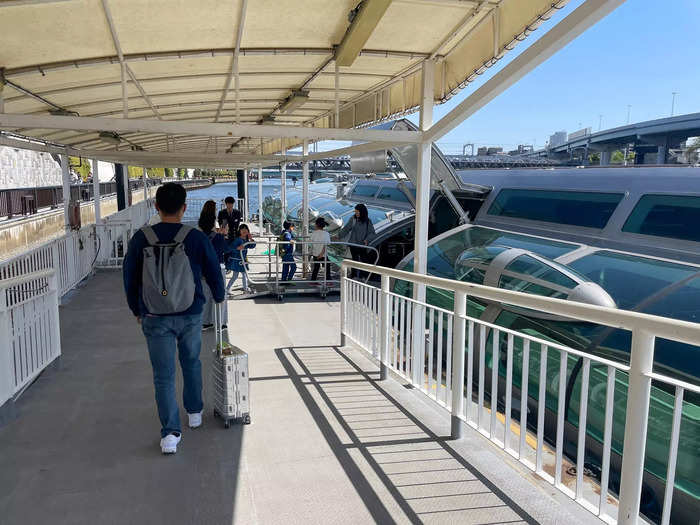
674, 329
390, 327
22, 279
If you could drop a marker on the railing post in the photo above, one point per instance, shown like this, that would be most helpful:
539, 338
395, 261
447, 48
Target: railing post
384, 328
638, 395
458, 334
343, 300
7, 365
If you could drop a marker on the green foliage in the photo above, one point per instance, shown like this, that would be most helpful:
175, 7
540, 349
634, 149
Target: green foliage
168, 173
80, 167
135, 172
181, 173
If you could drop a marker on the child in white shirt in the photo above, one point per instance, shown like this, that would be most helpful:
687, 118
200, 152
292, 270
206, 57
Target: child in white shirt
320, 239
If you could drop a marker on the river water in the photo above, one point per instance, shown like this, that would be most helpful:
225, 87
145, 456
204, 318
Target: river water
220, 191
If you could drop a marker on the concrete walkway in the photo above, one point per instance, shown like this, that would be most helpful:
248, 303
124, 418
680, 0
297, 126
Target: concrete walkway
327, 443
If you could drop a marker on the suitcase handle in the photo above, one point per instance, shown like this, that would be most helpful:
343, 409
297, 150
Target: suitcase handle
218, 328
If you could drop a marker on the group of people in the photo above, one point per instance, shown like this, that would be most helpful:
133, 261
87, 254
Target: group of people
174, 275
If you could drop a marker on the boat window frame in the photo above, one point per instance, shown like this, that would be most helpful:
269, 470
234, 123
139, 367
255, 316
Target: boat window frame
489, 215
638, 203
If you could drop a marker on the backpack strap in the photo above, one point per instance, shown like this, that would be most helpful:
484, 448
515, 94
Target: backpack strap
182, 233
150, 235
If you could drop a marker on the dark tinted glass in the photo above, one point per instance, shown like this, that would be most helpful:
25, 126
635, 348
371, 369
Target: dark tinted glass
365, 190
392, 194
591, 210
675, 216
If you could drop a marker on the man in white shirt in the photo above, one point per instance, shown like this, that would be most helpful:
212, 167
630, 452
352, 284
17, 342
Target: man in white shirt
320, 239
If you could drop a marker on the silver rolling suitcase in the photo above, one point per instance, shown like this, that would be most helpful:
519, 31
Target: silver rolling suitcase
231, 398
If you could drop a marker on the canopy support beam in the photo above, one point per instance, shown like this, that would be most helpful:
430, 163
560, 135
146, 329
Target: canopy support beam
234, 72
207, 129
96, 190
305, 205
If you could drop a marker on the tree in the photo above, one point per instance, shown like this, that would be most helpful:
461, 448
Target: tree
692, 151
181, 173
168, 173
81, 167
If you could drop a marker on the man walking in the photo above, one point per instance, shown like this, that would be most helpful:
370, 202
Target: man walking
231, 216
163, 271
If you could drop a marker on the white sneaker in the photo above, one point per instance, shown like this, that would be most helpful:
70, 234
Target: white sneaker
195, 419
168, 445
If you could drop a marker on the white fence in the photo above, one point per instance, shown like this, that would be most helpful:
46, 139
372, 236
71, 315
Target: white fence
443, 351
32, 284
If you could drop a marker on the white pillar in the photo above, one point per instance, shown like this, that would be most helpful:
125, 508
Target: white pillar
283, 189
96, 189
260, 200
457, 380
634, 445
2, 85
337, 95
144, 178
246, 204
305, 201
420, 249
65, 170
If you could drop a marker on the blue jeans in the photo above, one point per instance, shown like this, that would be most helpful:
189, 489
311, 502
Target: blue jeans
163, 335
288, 267
244, 277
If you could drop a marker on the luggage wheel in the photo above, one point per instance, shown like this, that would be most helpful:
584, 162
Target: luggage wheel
246, 419
227, 423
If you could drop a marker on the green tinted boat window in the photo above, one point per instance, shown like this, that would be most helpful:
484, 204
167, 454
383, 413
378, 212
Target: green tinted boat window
674, 216
576, 208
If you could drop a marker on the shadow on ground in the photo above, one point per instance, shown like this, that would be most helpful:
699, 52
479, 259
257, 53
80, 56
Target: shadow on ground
83, 446
375, 438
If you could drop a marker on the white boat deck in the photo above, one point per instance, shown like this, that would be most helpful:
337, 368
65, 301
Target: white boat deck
328, 443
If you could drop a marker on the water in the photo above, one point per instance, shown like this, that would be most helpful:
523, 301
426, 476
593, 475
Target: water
219, 192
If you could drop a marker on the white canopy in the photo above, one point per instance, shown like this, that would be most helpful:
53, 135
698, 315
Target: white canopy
245, 62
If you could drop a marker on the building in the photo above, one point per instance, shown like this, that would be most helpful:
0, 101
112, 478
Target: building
557, 139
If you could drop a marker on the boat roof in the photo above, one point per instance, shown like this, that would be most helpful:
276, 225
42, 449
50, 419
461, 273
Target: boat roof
680, 180
242, 61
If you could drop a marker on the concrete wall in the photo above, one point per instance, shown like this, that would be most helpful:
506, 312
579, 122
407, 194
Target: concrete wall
27, 169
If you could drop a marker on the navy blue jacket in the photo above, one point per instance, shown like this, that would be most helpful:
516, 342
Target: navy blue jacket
203, 260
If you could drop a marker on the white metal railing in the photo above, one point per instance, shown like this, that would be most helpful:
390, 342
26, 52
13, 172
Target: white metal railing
114, 233
265, 266
32, 284
195, 205
29, 326
442, 352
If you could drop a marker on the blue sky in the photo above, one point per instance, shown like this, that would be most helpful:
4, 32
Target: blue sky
637, 55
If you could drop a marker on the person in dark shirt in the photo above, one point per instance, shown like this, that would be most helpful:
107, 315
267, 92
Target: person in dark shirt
207, 223
230, 216
181, 330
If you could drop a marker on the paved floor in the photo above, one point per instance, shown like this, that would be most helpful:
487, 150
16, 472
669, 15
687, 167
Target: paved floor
328, 443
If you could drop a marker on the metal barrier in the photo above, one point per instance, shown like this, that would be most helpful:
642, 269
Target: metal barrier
272, 265
195, 205
32, 284
395, 329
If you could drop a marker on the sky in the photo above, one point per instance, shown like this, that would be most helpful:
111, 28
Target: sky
637, 56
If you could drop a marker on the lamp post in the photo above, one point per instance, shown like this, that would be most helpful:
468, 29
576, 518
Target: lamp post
673, 101
629, 108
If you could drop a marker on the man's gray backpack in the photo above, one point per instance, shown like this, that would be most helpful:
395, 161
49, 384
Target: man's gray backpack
168, 283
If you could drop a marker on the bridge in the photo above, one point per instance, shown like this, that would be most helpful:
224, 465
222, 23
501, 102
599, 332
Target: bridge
652, 136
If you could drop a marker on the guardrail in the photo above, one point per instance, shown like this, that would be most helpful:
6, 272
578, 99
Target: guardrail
30, 330
32, 284
195, 205
443, 353
268, 258
27, 201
